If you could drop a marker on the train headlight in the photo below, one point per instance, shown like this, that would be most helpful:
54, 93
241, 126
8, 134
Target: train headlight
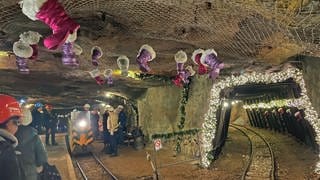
82, 123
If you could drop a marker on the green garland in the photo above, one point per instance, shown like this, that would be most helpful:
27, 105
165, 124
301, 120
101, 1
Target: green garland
155, 77
175, 134
182, 110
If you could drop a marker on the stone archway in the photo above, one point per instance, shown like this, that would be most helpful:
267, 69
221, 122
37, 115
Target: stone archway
303, 102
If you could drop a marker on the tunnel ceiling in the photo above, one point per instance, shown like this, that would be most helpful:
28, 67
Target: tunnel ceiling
248, 35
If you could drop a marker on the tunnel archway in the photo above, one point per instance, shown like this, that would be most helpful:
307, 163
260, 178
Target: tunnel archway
217, 95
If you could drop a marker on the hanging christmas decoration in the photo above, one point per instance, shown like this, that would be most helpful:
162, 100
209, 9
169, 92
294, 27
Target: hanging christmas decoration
145, 55
108, 76
95, 74
23, 51
303, 102
182, 73
52, 13
69, 55
180, 57
123, 64
196, 56
210, 59
32, 38
96, 53
77, 49
188, 72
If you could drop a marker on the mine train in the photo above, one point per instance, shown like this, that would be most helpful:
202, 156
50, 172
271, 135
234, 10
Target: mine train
80, 134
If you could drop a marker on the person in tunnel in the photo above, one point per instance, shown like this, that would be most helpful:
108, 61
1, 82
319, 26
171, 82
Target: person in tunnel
10, 114
123, 124
51, 122
33, 154
112, 126
106, 134
94, 119
38, 117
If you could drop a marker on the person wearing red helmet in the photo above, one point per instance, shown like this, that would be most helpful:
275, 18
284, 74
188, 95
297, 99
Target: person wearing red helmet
10, 114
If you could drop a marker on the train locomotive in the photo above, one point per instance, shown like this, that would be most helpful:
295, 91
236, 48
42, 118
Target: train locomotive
80, 134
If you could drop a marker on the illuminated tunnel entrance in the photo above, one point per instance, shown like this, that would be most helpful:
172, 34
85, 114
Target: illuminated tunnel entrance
265, 106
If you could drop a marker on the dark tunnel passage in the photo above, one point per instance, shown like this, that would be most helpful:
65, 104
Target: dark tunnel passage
263, 106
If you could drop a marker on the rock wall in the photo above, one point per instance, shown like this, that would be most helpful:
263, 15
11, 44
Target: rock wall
311, 67
198, 102
158, 110
159, 107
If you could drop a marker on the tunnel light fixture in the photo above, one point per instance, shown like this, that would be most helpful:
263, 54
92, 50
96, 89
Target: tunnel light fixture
210, 121
4, 54
225, 104
131, 74
108, 95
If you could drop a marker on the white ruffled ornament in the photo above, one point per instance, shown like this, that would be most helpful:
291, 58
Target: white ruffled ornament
22, 49
30, 37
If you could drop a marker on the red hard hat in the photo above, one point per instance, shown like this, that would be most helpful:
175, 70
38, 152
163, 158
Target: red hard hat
9, 107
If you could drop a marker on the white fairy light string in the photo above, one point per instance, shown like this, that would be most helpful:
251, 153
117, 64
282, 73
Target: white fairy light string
276, 103
303, 102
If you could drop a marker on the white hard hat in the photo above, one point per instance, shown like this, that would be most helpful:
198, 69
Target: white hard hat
110, 108
87, 105
120, 107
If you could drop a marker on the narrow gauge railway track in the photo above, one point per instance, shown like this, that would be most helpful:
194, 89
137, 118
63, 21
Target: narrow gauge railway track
261, 163
91, 168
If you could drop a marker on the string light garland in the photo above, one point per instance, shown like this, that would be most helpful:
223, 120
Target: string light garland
275, 103
209, 125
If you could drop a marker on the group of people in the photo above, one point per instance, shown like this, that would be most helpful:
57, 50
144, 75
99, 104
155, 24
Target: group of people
43, 116
114, 123
111, 123
22, 154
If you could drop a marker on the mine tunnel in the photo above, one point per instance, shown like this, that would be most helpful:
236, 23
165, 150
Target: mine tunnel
163, 89
262, 106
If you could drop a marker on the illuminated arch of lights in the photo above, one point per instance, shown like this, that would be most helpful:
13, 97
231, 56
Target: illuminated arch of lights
209, 125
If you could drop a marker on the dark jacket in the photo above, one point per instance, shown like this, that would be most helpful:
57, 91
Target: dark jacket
33, 153
9, 165
37, 119
50, 119
104, 121
123, 120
